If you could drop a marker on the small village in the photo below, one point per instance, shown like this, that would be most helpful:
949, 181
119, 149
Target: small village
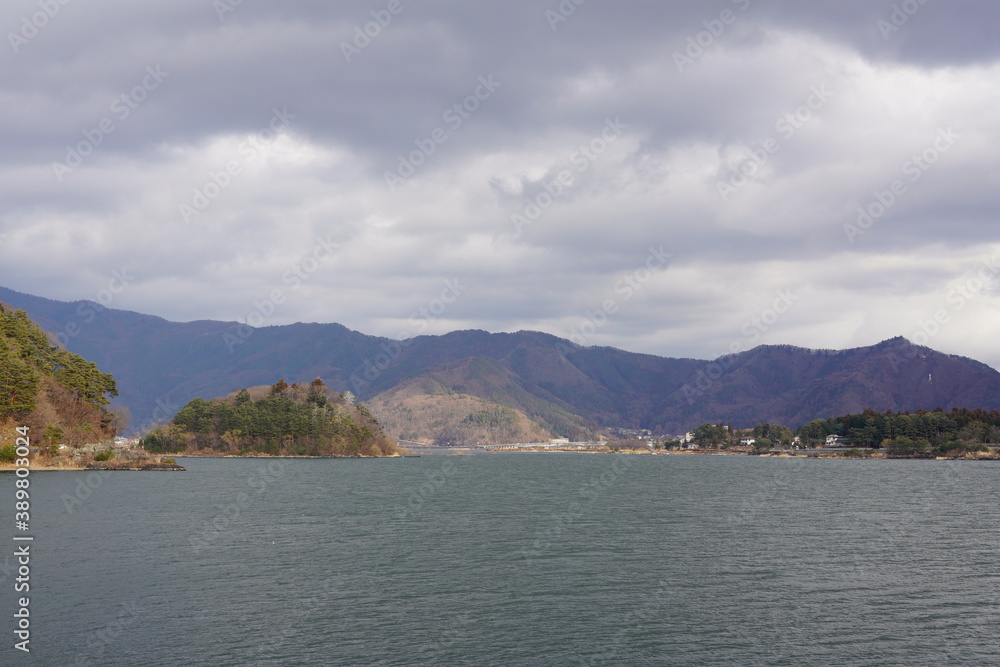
764, 440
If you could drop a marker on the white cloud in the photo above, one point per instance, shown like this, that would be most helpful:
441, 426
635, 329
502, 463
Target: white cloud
874, 104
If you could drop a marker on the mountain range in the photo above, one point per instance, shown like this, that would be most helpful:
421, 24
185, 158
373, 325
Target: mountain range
478, 385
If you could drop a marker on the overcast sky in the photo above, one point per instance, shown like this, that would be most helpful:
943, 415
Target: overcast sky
677, 178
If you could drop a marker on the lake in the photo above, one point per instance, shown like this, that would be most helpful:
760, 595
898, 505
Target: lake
514, 559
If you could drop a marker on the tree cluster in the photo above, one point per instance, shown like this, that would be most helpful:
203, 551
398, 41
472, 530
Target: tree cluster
766, 435
920, 433
905, 434
291, 420
43, 385
710, 435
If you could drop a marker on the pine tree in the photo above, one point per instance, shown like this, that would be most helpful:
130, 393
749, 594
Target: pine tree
18, 385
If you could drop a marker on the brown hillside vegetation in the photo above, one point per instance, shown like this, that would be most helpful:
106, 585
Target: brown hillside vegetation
425, 410
61, 397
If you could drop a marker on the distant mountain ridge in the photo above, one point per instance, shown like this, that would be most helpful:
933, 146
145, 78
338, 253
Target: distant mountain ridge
561, 387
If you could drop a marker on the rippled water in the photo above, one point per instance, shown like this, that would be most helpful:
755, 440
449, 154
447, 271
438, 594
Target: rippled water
516, 559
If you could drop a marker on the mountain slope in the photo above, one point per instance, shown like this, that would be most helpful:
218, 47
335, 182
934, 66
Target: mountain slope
59, 396
560, 387
793, 385
423, 408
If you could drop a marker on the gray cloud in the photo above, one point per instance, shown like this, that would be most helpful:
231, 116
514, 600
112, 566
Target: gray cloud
747, 142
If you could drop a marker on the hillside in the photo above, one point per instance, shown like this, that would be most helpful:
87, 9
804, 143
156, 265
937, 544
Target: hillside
558, 386
60, 396
280, 420
791, 385
425, 409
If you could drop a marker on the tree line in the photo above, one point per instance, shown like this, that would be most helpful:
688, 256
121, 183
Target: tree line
922, 432
918, 433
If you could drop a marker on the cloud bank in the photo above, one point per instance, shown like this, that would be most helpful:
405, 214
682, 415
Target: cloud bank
673, 178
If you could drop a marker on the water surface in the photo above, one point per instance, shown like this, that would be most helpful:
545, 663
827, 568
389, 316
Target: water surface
526, 559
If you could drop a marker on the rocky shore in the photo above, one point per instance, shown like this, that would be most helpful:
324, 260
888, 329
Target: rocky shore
106, 465
100, 456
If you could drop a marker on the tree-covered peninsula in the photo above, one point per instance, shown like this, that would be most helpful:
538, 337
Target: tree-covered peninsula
280, 420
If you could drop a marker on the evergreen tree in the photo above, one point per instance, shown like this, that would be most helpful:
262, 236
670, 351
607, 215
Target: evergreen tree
18, 385
290, 420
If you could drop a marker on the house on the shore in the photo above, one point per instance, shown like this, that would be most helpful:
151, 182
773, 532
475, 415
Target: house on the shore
747, 441
837, 441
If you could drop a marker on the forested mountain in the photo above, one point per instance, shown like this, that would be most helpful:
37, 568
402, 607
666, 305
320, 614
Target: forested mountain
283, 419
561, 388
60, 396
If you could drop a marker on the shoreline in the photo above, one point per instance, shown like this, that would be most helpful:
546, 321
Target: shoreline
799, 454
101, 466
276, 456
150, 466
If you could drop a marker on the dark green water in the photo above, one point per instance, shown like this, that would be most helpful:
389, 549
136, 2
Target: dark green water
515, 559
